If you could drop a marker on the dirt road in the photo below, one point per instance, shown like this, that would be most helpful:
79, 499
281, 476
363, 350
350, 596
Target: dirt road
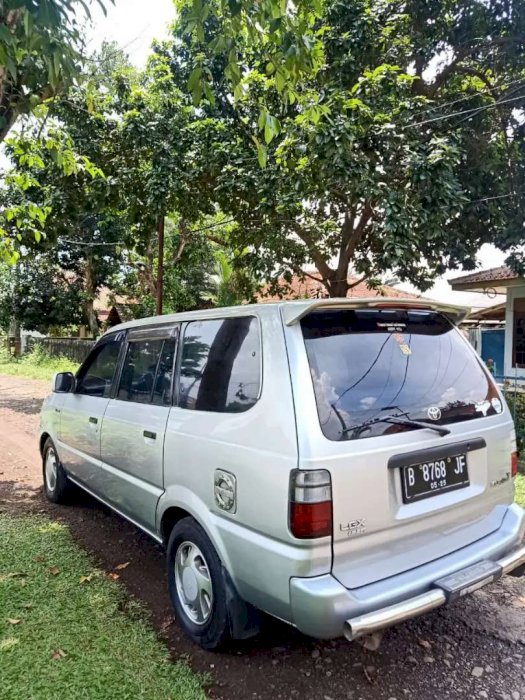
474, 649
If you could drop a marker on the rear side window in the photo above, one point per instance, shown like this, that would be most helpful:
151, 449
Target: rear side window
221, 365
373, 368
147, 372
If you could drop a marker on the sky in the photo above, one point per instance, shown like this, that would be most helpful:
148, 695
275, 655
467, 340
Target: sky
133, 24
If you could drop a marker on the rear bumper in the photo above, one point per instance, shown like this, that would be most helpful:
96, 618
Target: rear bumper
322, 607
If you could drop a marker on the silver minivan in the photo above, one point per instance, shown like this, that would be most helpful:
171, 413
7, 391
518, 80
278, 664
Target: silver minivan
340, 464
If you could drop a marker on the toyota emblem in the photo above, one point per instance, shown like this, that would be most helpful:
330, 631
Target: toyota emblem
434, 413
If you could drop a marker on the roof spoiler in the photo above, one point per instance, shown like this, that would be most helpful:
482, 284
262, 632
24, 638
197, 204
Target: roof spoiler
293, 313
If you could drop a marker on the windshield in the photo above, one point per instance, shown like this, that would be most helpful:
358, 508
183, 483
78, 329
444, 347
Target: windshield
369, 364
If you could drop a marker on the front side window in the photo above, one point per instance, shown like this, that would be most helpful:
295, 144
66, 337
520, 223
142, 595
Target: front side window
95, 377
375, 370
147, 371
221, 365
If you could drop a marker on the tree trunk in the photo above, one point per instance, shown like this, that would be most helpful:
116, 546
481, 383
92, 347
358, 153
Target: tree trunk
160, 273
17, 336
90, 297
338, 288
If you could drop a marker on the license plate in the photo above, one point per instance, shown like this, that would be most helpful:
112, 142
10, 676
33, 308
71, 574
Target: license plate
434, 477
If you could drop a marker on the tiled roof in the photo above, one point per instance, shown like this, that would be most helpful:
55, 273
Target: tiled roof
309, 288
490, 313
495, 274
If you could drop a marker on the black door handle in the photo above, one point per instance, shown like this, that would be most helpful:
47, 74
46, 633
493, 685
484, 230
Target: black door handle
150, 435
93, 420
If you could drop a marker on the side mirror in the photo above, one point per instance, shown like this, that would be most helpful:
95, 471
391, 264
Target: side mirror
63, 383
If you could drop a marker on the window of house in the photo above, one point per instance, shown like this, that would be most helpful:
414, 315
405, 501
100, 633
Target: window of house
147, 371
95, 377
518, 346
221, 365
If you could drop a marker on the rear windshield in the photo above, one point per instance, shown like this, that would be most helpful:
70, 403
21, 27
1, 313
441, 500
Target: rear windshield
395, 365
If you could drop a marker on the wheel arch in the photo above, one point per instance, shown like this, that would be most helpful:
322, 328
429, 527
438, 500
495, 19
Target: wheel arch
177, 503
43, 439
170, 517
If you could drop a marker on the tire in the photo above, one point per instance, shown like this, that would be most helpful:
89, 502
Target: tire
197, 586
57, 486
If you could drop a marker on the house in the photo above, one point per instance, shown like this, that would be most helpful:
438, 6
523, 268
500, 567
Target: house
310, 288
112, 309
493, 282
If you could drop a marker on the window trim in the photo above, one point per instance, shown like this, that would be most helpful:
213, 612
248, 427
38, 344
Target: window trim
171, 332
152, 333
176, 388
113, 338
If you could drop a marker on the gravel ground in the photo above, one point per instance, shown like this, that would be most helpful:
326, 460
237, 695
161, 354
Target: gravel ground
472, 649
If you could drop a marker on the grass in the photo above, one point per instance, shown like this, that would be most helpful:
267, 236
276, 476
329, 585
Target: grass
68, 631
35, 365
520, 490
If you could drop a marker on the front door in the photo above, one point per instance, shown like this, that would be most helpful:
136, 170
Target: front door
83, 410
134, 426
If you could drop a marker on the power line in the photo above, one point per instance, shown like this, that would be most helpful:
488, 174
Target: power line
465, 111
467, 97
88, 244
497, 196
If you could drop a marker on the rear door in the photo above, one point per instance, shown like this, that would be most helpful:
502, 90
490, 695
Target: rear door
134, 426
403, 494
82, 411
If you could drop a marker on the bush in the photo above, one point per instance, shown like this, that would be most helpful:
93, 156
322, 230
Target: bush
516, 402
37, 364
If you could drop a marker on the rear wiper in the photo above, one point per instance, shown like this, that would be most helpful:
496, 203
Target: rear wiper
399, 420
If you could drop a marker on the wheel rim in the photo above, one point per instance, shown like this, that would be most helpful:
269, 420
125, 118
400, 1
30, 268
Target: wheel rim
193, 581
51, 469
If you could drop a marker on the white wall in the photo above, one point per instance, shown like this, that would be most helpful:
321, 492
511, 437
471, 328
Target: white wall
512, 293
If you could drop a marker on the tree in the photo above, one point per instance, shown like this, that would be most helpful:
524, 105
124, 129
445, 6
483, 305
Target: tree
162, 162
188, 260
40, 53
81, 221
147, 154
232, 282
403, 153
286, 35
36, 295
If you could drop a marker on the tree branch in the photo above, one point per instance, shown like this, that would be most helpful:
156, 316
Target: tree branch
358, 281
325, 270
184, 233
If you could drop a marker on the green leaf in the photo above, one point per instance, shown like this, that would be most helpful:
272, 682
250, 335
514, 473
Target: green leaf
194, 79
5, 35
28, 23
262, 152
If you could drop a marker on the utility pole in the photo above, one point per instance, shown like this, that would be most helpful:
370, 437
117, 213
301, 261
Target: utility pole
160, 274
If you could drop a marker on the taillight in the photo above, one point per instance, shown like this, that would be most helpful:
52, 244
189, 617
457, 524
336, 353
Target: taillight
310, 504
514, 463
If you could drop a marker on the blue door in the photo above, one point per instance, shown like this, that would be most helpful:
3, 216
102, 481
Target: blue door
493, 346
